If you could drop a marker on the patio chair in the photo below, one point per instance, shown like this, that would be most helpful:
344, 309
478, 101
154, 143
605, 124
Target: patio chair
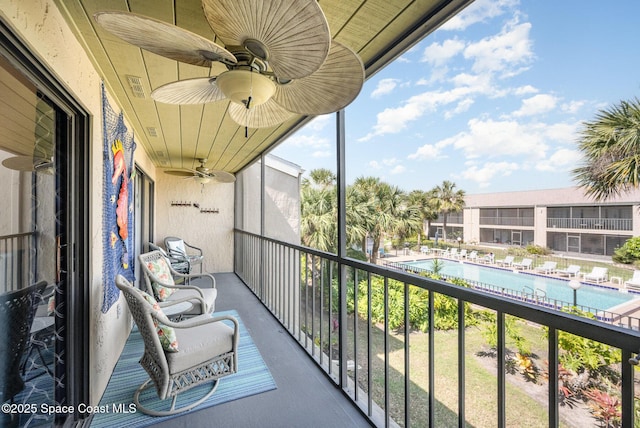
462, 254
506, 262
160, 281
17, 309
634, 282
525, 264
425, 250
597, 275
179, 264
570, 271
178, 249
180, 355
547, 267
473, 256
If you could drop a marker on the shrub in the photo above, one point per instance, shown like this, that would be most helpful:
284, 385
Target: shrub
537, 249
445, 308
629, 252
580, 354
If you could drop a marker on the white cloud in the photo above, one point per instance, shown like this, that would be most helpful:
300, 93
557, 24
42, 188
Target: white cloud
564, 133
538, 104
374, 165
384, 87
438, 54
562, 159
508, 52
394, 120
485, 173
499, 138
390, 161
319, 123
478, 11
525, 90
398, 169
426, 152
462, 106
572, 107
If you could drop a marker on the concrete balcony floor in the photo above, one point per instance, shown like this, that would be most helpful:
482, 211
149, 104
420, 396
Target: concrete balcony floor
305, 396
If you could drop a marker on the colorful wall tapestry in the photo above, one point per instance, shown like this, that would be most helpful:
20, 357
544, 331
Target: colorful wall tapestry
117, 215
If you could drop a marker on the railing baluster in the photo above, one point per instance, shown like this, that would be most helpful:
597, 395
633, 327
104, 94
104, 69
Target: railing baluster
501, 346
461, 365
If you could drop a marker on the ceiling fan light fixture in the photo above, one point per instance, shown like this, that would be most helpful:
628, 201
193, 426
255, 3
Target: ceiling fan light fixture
239, 85
202, 180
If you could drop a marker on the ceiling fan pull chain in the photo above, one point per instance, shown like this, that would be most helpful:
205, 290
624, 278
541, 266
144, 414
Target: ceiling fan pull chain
246, 132
250, 90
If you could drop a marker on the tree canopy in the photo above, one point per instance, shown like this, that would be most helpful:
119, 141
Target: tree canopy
610, 145
375, 210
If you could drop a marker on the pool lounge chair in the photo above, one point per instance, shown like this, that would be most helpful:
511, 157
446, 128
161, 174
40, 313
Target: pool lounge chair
570, 271
597, 275
547, 268
473, 256
634, 282
524, 264
425, 250
462, 254
507, 261
453, 253
487, 258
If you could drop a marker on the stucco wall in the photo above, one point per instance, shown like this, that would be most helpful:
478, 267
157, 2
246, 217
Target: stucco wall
41, 27
213, 233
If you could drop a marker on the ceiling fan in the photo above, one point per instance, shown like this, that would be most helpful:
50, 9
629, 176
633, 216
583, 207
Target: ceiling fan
279, 56
202, 174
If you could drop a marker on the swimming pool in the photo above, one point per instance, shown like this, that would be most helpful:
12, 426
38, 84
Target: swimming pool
551, 288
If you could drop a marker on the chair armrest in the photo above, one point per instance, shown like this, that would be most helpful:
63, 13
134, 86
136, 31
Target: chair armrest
180, 286
197, 321
190, 276
193, 247
169, 303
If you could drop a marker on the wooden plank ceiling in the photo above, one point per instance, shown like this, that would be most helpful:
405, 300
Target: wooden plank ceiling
176, 136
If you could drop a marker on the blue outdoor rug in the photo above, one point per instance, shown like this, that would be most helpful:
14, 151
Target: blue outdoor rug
253, 377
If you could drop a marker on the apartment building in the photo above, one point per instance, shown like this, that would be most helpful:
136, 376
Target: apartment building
564, 220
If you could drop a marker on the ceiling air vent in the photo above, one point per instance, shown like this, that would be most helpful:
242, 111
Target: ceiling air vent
137, 88
152, 131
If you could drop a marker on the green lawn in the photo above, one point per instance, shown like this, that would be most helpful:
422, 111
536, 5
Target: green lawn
480, 388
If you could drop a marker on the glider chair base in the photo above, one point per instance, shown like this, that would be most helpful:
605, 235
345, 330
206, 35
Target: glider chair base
173, 410
212, 370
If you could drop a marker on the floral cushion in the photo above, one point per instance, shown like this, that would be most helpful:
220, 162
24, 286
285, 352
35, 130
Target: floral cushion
160, 269
166, 334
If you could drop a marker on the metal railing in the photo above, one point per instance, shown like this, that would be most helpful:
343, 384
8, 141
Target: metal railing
507, 221
16, 259
331, 307
591, 223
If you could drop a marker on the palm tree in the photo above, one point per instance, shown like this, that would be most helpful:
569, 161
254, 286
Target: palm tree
447, 199
611, 148
319, 210
381, 209
423, 201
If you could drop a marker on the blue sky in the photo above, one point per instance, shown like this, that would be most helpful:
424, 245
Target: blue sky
492, 101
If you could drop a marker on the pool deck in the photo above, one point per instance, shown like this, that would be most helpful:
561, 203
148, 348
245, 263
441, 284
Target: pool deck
631, 309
